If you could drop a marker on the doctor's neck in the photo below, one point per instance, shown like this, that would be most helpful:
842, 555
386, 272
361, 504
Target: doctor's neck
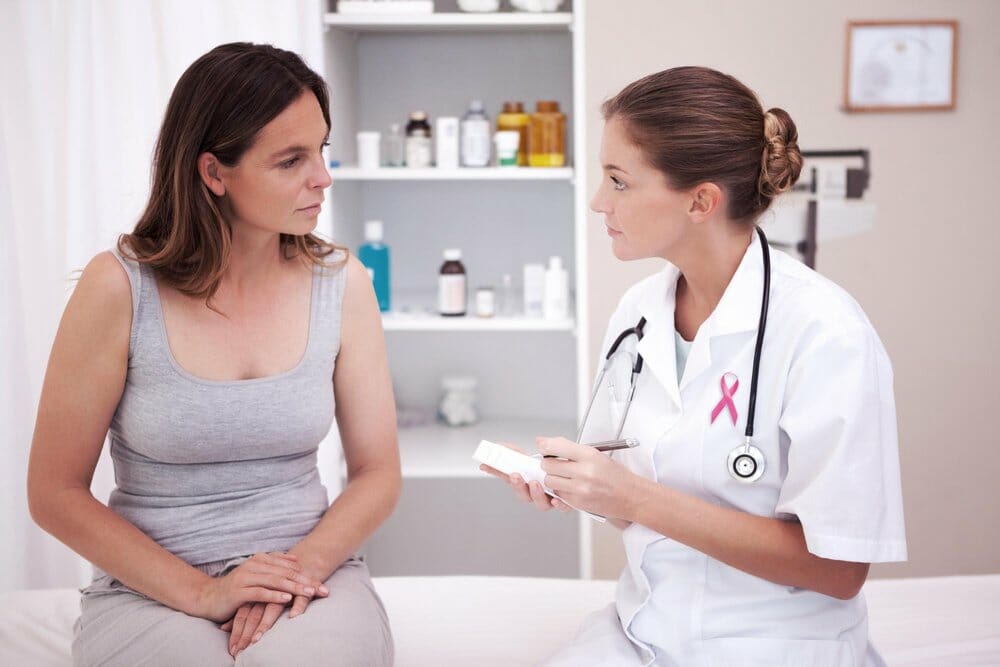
707, 262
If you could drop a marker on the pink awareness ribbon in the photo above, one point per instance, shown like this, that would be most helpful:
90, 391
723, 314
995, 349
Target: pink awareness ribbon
728, 391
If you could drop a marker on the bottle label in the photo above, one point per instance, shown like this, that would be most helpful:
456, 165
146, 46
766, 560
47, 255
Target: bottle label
451, 294
418, 152
475, 143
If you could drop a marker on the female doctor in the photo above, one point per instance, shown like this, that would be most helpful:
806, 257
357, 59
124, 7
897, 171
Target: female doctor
745, 546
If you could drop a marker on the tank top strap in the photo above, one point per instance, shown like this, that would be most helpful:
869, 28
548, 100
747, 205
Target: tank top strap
142, 283
329, 284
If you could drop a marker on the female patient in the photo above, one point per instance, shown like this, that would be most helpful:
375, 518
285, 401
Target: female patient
217, 342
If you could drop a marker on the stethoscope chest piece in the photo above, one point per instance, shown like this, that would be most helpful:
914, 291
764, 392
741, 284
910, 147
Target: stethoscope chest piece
746, 463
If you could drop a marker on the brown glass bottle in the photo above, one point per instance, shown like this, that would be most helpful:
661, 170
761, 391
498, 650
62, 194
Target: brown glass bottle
513, 118
547, 136
452, 292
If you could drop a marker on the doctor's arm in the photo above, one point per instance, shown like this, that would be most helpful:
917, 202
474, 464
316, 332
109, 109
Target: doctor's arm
769, 548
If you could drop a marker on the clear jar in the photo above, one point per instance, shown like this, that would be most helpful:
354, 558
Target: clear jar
395, 147
458, 400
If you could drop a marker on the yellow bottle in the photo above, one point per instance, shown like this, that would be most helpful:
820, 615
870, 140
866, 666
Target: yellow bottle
513, 118
547, 136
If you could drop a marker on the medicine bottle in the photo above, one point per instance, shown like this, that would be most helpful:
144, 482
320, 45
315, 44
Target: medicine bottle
513, 118
475, 136
547, 136
452, 291
418, 141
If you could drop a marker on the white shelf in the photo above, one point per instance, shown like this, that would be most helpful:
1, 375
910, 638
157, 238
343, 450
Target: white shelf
437, 450
461, 174
408, 322
450, 21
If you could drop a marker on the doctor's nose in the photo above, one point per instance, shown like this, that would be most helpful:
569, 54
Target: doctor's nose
598, 203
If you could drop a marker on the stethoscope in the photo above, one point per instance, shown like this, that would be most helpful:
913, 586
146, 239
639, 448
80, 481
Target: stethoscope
745, 462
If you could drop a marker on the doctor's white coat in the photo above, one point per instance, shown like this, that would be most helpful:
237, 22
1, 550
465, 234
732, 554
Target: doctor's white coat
826, 423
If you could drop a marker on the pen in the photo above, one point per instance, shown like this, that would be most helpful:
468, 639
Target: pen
607, 446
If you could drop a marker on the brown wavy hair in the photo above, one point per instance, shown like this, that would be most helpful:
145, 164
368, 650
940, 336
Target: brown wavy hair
219, 105
698, 125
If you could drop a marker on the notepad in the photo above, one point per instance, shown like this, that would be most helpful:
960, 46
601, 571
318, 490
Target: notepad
509, 462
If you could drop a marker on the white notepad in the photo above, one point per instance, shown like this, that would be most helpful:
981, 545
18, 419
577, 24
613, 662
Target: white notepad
507, 461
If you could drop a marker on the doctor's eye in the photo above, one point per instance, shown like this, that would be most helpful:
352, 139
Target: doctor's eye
619, 186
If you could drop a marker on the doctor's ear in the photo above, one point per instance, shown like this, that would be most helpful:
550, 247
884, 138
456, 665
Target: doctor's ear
210, 170
705, 200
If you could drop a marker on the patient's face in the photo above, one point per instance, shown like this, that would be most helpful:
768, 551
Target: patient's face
644, 216
278, 183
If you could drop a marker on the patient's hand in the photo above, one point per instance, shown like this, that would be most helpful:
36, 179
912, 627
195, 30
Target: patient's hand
253, 619
531, 492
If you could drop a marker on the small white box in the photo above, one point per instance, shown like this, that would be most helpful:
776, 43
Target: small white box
446, 142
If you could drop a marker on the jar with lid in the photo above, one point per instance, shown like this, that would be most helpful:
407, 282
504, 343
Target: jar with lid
452, 292
514, 119
547, 136
458, 400
418, 141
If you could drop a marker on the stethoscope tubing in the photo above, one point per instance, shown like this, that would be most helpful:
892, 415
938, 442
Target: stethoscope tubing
638, 332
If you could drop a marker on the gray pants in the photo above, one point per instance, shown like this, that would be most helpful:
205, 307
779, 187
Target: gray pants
118, 626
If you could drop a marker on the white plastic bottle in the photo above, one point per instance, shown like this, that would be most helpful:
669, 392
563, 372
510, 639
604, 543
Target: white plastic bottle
476, 136
556, 290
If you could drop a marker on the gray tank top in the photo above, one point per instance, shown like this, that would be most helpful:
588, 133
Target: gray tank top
216, 469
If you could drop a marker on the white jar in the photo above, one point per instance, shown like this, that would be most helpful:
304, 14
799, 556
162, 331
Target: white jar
485, 302
369, 149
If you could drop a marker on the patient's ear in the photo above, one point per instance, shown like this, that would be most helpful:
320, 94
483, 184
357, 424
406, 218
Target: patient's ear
706, 198
210, 170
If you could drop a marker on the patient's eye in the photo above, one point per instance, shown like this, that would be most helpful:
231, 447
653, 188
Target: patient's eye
618, 184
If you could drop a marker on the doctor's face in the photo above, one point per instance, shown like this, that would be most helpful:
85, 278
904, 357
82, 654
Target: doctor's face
644, 216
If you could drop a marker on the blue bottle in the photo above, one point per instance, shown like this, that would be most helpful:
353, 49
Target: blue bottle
375, 256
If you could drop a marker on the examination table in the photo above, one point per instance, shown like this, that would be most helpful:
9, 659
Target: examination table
506, 621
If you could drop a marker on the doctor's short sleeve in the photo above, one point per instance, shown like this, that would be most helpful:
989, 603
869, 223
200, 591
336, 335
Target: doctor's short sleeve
839, 419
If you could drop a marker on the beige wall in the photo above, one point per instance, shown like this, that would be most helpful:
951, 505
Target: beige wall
927, 275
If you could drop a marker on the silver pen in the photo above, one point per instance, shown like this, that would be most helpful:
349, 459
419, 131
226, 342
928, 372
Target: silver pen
606, 446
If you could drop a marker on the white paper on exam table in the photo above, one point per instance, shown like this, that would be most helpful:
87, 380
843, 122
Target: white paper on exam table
507, 461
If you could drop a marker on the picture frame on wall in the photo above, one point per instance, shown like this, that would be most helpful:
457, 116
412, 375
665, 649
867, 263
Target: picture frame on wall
901, 65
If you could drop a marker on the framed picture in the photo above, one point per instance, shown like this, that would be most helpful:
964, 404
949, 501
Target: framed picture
900, 65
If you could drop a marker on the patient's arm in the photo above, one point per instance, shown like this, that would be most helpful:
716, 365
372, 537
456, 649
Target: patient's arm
366, 417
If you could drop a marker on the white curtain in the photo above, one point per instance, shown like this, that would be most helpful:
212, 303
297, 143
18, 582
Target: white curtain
83, 88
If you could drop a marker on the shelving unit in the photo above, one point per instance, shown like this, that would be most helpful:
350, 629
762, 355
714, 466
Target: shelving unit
462, 174
405, 322
533, 376
446, 21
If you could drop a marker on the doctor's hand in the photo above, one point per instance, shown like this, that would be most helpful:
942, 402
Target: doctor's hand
528, 492
589, 479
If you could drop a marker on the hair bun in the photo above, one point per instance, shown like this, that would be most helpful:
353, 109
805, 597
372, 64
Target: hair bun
781, 161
